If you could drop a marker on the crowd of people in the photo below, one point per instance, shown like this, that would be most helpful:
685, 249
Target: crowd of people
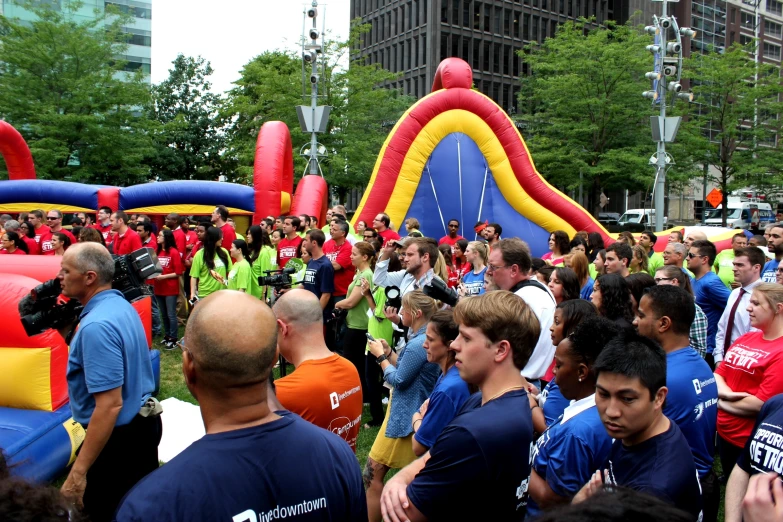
595, 379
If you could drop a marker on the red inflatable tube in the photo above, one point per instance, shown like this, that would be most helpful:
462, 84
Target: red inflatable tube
16, 153
312, 197
273, 169
109, 197
452, 73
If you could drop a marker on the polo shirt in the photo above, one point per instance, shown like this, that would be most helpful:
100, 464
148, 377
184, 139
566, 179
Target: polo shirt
125, 243
109, 350
342, 256
388, 235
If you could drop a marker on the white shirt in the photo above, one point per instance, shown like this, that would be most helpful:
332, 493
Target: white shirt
741, 320
542, 303
577, 407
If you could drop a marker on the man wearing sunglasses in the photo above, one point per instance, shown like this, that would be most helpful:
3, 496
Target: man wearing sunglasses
710, 292
54, 220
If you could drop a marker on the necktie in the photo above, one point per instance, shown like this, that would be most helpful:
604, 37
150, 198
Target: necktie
730, 327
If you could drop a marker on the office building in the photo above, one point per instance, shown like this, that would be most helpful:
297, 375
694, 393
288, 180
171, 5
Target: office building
139, 52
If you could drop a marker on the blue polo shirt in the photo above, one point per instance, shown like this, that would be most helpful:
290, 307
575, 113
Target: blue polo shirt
109, 351
661, 466
711, 295
554, 402
692, 403
480, 461
446, 399
768, 275
763, 452
569, 451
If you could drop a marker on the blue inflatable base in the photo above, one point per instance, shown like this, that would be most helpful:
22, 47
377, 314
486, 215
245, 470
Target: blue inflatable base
38, 445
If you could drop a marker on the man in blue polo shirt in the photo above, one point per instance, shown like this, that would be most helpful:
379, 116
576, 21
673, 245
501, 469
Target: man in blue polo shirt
650, 454
665, 314
710, 292
763, 453
109, 383
479, 464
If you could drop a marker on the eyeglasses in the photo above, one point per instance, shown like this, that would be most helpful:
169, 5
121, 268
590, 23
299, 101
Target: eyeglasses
691, 255
453, 226
50, 218
780, 270
659, 279
492, 268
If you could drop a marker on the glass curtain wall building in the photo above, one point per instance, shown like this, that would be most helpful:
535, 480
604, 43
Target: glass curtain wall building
139, 53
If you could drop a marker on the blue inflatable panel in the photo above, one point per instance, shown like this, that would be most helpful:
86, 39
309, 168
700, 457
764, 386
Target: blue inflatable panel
438, 198
36, 443
155, 360
188, 192
48, 191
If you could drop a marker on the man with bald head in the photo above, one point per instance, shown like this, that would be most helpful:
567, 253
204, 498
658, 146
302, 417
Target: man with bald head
110, 383
694, 235
326, 388
254, 463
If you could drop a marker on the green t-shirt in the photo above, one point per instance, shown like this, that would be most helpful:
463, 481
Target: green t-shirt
378, 326
240, 236
207, 283
266, 260
593, 271
725, 260
357, 316
240, 276
654, 263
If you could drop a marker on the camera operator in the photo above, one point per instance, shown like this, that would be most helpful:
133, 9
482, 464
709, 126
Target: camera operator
110, 383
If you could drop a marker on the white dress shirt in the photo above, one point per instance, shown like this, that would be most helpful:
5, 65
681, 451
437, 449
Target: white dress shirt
741, 319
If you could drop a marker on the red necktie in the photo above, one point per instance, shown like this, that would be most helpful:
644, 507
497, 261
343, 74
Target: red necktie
730, 327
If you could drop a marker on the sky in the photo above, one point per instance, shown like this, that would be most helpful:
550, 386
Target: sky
229, 33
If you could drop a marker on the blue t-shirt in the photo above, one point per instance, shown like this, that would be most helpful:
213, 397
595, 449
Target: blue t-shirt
763, 452
768, 275
474, 283
661, 466
284, 469
480, 461
319, 276
567, 454
711, 295
109, 350
554, 402
692, 403
587, 291
448, 396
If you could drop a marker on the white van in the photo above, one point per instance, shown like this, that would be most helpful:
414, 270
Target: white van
640, 216
746, 215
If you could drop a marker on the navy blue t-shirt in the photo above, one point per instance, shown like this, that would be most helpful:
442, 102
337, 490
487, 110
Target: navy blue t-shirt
554, 402
692, 403
711, 295
480, 462
319, 276
661, 466
287, 468
567, 454
446, 399
763, 452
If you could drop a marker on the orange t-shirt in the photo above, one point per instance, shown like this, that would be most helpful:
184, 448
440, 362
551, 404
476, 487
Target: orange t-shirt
326, 392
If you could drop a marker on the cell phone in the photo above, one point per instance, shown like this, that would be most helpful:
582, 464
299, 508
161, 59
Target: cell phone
370, 337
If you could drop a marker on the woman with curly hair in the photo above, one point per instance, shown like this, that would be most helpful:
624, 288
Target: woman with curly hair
612, 298
559, 245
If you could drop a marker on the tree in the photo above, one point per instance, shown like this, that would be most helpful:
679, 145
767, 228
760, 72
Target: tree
733, 126
271, 86
60, 87
583, 104
190, 139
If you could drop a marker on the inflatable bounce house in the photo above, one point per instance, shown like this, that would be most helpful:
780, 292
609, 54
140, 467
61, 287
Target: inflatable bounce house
455, 154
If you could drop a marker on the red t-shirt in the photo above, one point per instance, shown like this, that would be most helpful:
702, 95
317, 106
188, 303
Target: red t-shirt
46, 241
32, 246
105, 230
287, 249
229, 235
17, 252
183, 240
126, 243
450, 241
171, 263
41, 231
388, 235
341, 255
453, 277
755, 366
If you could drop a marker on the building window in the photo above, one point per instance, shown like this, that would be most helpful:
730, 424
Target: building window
408, 56
733, 15
455, 12
498, 12
415, 13
543, 5
515, 65
487, 17
506, 57
477, 16
137, 37
383, 28
562, 6
507, 22
136, 11
465, 49
394, 58
534, 35
775, 7
454, 45
772, 29
444, 11
748, 20
476, 54
424, 17
486, 56
771, 51
745, 40
552, 28
517, 15
496, 59
496, 94
526, 27
424, 49
466, 13
506, 100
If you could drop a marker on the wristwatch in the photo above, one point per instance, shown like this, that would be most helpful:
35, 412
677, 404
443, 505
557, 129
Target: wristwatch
381, 358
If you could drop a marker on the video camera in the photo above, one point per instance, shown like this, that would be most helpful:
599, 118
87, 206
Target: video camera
43, 309
437, 289
279, 278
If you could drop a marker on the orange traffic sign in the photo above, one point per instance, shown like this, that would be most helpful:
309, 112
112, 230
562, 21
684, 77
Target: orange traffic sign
715, 197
